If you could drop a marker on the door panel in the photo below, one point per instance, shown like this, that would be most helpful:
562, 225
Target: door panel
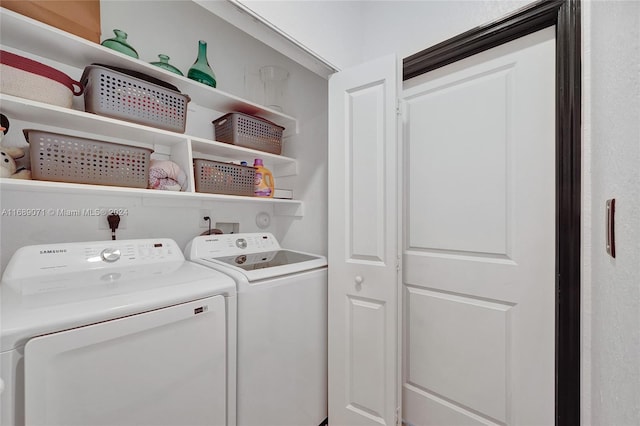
366, 350
479, 252
163, 367
366, 143
453, 324
478, 148
363, 245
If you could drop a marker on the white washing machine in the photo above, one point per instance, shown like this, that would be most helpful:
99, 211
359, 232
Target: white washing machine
116, 333
282, 327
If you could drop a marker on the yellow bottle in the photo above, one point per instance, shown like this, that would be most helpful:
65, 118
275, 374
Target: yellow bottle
264, 183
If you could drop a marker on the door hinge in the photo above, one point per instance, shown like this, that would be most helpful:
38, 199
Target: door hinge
400, 107
398, 263
398, 420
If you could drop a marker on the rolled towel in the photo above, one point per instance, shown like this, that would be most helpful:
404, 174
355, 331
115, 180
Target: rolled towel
166, 175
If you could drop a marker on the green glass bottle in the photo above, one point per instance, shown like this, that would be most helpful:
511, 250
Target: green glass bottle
164, 64
200, 70
119, 43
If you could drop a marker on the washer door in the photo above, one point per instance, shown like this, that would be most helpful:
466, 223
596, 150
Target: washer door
163, 367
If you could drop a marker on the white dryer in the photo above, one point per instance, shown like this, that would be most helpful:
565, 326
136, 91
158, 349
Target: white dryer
282, 327
116, 333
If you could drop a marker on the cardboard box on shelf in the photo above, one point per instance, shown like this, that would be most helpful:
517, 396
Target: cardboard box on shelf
286, 194
79, 17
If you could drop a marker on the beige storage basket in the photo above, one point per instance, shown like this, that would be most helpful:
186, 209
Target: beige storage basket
216, 177
29, 79
63, 158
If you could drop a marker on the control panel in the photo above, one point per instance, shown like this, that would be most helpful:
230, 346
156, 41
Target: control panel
50, 259
233, 244
133, 251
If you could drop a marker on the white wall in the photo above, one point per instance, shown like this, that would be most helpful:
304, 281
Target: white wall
331, 29
406, 27
612, 130
174, 28
346, 33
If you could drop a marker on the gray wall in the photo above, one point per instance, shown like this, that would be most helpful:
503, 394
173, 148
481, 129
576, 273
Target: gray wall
612, 129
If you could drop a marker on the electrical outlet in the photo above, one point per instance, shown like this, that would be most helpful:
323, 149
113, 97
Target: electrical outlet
103, 212
205, 223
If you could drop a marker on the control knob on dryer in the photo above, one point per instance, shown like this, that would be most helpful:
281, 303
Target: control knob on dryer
110, 255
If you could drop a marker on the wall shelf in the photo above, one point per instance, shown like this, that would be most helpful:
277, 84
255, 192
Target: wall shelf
83, 124
31, 37
28, 35
281, 207
280, 165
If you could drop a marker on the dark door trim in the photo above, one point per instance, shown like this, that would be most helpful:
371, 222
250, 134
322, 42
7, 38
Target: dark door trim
565, 15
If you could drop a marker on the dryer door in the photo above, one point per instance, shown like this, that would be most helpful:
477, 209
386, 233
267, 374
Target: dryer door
163, 367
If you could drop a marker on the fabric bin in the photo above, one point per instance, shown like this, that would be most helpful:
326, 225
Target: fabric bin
135, 97
63, 158
29, 79
216, 177
248, 131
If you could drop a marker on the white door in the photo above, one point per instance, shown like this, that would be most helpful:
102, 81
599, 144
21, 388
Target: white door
163, 367
363, 245
479, 239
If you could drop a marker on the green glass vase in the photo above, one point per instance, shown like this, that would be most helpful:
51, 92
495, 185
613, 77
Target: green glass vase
119, 43
200, 70
164, 64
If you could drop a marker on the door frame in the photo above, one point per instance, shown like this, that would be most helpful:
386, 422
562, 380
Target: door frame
565, 15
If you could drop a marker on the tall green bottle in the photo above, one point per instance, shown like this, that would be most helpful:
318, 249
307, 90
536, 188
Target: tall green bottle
200, 70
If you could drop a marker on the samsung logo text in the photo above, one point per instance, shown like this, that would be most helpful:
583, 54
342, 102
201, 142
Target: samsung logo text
54, 251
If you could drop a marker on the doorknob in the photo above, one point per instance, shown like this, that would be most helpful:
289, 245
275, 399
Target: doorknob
358, 279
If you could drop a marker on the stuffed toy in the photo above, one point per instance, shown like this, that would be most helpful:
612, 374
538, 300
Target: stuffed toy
9, 155
8, 166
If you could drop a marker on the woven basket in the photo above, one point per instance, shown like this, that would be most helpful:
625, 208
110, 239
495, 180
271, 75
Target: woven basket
26, 78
